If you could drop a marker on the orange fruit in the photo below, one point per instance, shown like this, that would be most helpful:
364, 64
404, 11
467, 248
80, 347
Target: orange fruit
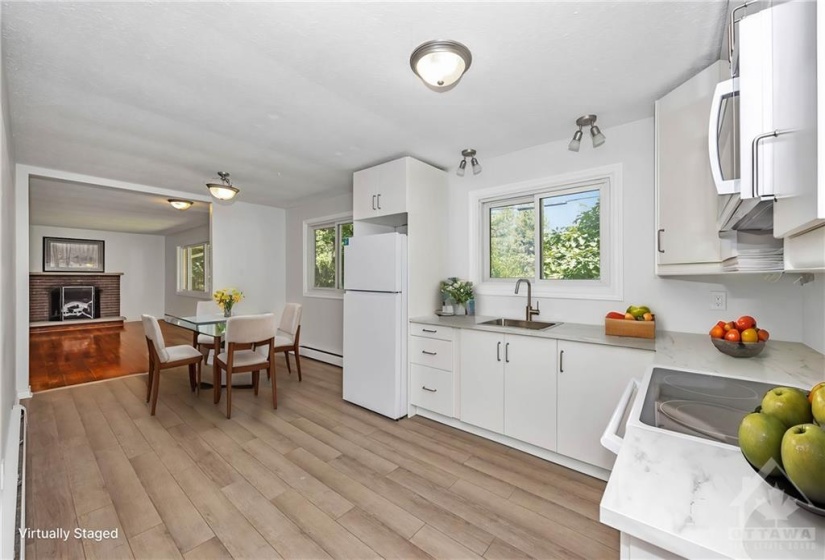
733, 335
717, 332
730, 325
750, 335
763, 335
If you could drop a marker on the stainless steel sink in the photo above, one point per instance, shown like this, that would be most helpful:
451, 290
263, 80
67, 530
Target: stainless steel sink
520, 324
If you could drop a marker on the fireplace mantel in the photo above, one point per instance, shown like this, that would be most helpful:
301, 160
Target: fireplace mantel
42, 283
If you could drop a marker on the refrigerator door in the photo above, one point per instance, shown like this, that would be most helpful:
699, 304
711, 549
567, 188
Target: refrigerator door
375, 263
374, 376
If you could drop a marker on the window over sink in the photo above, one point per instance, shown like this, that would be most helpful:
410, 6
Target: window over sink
562, 233
325, 239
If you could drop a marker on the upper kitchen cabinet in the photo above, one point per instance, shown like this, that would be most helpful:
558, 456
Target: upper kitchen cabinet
687, 237
382, 190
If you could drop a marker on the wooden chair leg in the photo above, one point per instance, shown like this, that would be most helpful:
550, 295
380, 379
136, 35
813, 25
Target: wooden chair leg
192, 377
155, 388
198, 378
286, 357
271, 371
228, 394
256, 378
149, 378
298, 362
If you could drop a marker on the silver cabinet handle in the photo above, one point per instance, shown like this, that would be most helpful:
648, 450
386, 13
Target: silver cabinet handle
507, 353
429, 330
755, 161
498, 351
428, 389
561, 361
373, 202
429, 353
732, 30
379, 202
659, 240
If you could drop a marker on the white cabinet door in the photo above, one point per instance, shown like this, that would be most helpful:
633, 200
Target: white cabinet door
591, 379
364, 195
482, 380
391, 188
794, 90
686, 197
530, 390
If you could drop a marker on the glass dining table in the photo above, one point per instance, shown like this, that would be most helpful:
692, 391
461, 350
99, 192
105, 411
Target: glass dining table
210, 325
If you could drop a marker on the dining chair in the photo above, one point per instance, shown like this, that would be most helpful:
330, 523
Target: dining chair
204, 343
162, 357
250, 347
288, 337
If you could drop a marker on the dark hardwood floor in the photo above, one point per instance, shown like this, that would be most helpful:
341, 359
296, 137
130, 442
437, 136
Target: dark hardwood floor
69, 358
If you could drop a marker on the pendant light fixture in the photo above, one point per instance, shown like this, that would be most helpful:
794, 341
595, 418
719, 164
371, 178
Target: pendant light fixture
595, 134
224, 190
440, 64
462, 167
180, 204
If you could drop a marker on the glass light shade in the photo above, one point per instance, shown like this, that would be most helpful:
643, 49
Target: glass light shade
180, 204
461, 168
598, 137
576, 142
476, 166
222, 192
440, 64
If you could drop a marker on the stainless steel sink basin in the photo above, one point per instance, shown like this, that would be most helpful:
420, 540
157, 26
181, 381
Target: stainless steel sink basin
520, 324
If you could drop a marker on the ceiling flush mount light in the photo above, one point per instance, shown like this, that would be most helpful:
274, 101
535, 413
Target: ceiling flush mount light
440, 64
180, 204
462, 167
223, 190
595, 134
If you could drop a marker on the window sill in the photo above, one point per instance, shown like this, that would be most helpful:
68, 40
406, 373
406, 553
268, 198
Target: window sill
608, 293
199, 295
324, 294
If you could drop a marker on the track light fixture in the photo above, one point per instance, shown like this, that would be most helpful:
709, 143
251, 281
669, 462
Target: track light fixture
595, 134
462, 167
224, 190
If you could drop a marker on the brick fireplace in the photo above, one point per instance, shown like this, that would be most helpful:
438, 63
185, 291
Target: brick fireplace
42, 284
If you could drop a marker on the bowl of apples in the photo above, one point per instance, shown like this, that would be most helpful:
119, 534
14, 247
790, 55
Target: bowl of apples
740, 338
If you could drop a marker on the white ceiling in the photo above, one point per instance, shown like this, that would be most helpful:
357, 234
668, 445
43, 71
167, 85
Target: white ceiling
293, 97
76, 205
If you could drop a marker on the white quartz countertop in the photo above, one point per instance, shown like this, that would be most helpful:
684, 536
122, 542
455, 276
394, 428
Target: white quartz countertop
697, 499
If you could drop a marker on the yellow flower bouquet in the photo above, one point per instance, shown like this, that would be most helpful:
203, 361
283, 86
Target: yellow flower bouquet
227, 298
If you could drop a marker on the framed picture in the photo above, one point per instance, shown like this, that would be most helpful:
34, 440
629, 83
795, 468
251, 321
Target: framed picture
72, 255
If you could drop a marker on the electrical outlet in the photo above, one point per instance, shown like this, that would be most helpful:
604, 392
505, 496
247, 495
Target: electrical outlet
719, 301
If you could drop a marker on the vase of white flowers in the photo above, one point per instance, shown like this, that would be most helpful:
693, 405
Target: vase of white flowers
459, 291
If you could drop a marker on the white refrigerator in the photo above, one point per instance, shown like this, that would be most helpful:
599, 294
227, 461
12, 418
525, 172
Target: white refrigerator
375, 323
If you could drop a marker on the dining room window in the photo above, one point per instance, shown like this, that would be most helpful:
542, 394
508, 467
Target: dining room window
193, 269
325, 256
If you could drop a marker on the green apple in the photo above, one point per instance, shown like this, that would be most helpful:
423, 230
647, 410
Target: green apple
803, 456
790, 405
760, 438
818, 406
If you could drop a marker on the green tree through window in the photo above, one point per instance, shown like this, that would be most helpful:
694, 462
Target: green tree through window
328, 245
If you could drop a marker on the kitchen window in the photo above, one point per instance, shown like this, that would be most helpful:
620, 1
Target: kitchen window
193, 269
324, 252
563, 235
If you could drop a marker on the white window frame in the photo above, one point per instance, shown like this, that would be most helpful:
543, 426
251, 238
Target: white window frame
309, 227
207, 252
610, 287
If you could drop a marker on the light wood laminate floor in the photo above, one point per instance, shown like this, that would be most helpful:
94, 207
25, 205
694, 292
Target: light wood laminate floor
318, 478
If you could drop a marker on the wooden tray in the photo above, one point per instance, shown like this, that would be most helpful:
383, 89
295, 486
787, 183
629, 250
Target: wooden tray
625, 327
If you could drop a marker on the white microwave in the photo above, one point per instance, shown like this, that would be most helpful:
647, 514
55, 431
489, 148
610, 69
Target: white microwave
723, 137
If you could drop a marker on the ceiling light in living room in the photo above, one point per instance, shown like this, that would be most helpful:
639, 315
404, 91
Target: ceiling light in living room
180, 204
440, 64
223, 190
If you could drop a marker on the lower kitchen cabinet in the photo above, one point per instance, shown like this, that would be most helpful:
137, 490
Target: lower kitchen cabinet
530, 390
482, 380
591, 379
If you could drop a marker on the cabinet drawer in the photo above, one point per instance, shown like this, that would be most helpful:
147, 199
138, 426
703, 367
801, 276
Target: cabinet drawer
431, 389
431, 331
431, 352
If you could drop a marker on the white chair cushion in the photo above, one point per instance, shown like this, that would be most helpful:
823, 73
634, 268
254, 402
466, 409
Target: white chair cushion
152, 330
206, 339
182, 352
250, 328
244, 358
290, 319
282, 340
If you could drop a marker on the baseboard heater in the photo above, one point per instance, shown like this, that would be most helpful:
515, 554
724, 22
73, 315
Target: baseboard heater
322, 355
12, 544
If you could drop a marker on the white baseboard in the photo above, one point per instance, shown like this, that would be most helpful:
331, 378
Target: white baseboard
26, 394
325, 357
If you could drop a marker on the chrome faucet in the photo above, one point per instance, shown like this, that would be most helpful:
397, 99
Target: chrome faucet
529, 312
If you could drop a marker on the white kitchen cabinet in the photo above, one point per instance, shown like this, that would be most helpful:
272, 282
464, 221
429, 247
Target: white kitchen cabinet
530, 390
686, 196
381, 190
591, 379
482, 380
432, 368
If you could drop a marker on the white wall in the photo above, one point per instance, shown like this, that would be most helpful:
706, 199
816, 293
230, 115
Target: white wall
813, 313
174, 303
322, 321
680, 304
139, 257
248, 253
